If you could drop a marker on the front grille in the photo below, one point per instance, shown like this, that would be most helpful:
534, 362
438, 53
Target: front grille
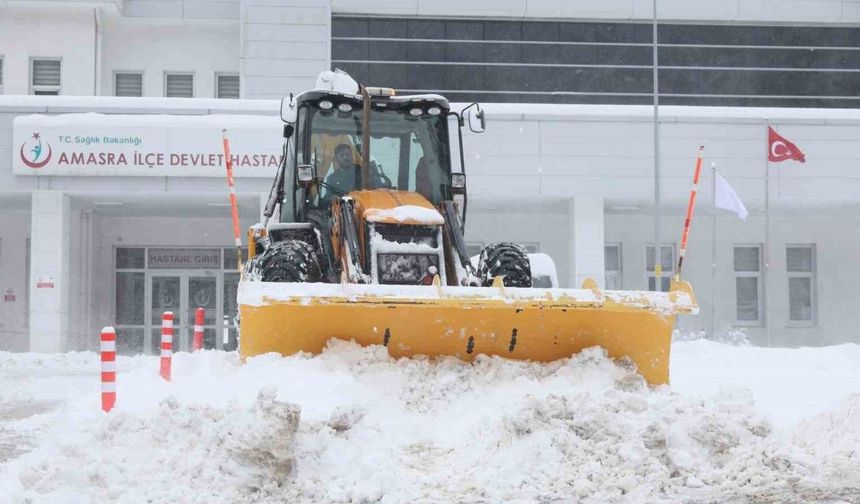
404, 269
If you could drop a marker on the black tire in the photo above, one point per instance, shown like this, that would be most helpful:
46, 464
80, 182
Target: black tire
508, 260
289, 261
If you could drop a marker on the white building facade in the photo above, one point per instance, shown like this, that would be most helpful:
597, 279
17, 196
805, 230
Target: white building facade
567, 170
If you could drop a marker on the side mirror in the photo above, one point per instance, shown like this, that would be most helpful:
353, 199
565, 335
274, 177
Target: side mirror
305, 174
458, 183
477, 121
289, 110
288, 131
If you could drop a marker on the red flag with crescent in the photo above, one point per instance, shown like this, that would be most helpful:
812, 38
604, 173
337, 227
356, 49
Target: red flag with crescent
780, 149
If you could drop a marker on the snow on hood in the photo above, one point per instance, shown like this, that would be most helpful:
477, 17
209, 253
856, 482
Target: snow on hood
411, 214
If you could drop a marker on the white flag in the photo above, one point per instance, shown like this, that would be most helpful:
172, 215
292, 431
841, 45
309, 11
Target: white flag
726, 198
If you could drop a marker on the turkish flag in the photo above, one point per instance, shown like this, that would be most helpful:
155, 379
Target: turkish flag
780, 149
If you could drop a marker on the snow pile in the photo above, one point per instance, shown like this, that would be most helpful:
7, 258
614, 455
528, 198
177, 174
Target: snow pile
834, 438
736, 337
374, 429
171, 454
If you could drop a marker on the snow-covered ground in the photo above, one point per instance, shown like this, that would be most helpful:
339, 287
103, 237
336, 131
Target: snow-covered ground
738, 424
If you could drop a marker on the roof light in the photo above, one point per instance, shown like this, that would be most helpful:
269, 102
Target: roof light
326, 105
415, 111
344, 107
434, 111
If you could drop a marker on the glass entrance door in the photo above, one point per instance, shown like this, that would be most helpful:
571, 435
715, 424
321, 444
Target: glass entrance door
203, 293
182, 292
165, 295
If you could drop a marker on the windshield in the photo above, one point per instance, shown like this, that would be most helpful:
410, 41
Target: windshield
406, 152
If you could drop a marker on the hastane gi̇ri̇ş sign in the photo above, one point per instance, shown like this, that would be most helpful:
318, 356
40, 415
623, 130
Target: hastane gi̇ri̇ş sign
145, 145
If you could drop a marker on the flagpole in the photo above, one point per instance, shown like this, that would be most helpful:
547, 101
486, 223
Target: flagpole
766, 254
658, 259
713, 326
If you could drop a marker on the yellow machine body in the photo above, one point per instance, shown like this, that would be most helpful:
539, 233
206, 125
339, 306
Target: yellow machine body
528, 324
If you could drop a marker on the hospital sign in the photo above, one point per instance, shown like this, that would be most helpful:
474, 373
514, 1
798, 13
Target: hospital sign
144, 145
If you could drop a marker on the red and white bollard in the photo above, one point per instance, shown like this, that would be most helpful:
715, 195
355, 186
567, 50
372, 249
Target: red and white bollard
198, 328
166, 344
108, 351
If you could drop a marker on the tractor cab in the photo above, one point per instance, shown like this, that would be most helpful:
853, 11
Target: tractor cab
353, 154
407, 149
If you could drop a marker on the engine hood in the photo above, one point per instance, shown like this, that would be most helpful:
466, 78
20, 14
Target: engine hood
395, 207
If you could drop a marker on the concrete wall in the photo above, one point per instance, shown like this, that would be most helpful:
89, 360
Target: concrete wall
72, 40
822, 11
558, 152
836, 237
158, 46
285, 45
547, 226
182, 9
837, 242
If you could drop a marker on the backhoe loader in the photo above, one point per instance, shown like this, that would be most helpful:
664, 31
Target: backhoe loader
363, 239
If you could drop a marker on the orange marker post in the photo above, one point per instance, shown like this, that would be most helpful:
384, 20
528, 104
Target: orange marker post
234, 206
690, 206
166, 344
198, 328
108, 357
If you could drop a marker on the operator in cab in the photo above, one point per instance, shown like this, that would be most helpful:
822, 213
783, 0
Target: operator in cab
346, 175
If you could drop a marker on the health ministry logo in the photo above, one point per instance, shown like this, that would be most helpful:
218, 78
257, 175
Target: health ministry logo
33, 152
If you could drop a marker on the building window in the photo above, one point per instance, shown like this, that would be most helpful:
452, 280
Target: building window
612, 266
667, 264
748, 287
179, 85
227, 86
598, 62
128, 84
800, 266
45, 76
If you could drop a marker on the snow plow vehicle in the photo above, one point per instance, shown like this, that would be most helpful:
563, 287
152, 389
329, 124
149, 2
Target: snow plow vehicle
363, 239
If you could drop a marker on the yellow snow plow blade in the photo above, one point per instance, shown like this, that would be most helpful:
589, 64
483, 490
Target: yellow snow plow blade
529, 324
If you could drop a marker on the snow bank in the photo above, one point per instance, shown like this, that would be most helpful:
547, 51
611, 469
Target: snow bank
374, 429
788, 383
